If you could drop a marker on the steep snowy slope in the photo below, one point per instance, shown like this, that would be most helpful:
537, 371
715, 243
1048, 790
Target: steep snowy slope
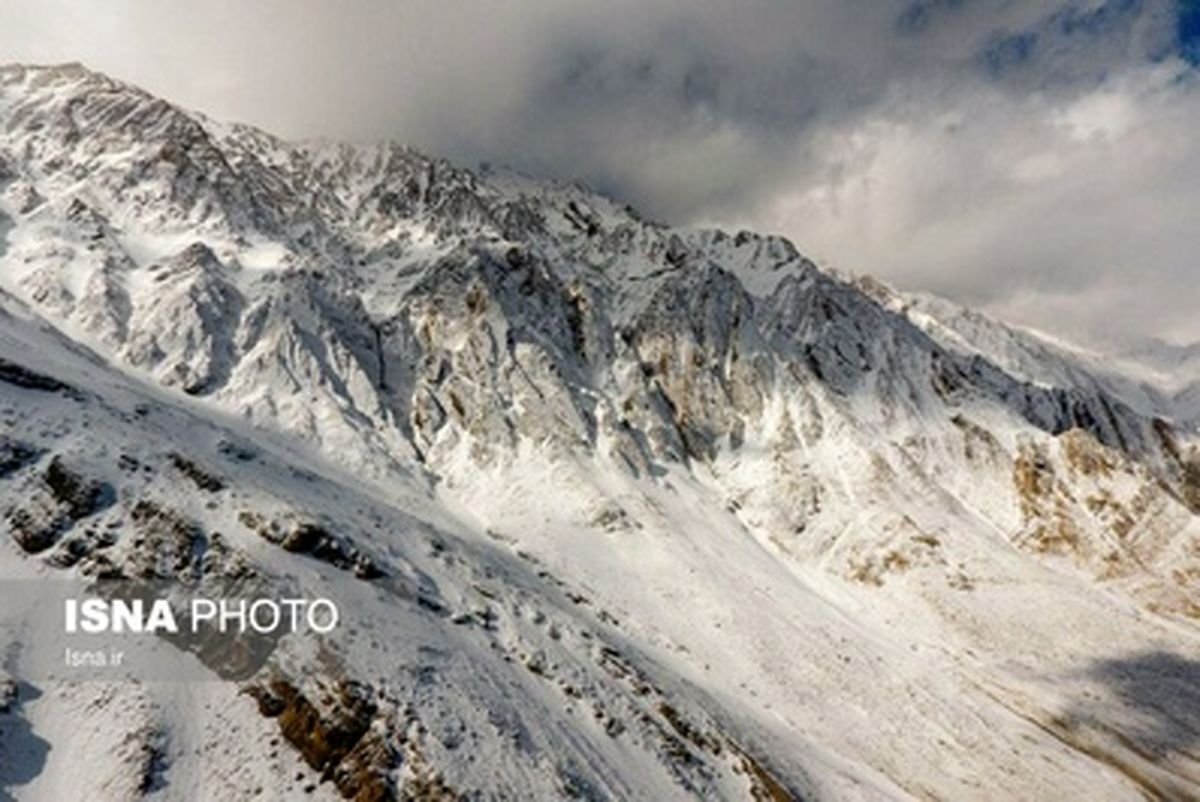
464, 665
621, 510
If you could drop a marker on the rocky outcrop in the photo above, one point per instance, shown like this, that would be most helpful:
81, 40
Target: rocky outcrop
333, 732
59, 499
301, 535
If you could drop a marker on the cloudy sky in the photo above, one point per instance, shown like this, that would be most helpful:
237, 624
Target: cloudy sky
1037, 158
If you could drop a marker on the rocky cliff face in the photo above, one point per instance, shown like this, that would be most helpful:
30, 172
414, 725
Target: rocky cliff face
590, 388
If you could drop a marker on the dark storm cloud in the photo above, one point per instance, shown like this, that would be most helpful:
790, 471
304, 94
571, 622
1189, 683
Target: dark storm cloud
1028, 156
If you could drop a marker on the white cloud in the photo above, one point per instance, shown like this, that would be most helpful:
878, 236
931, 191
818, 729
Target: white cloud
1031, 156
1075, 216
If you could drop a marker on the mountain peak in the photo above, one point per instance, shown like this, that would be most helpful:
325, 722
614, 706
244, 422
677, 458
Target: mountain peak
41, 76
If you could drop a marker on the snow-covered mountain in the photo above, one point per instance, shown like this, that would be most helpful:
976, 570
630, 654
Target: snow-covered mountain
619, 510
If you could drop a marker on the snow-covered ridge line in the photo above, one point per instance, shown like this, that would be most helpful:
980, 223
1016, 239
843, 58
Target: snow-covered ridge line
126, 192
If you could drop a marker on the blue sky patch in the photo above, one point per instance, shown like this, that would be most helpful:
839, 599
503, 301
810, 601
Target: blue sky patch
1188, 29
1004, 52
1106, 18
918, 14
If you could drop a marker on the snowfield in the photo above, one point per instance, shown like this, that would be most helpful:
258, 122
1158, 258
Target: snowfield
611, 510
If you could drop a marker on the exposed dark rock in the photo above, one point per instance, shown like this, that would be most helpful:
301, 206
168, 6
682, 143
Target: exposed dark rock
237, 451
164, 544
313, 539
78, 547
364, 773
15, 455
81, 496
153, 762
20, 376
334, 735
8, 695
200, 477
62, 498
30, 533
